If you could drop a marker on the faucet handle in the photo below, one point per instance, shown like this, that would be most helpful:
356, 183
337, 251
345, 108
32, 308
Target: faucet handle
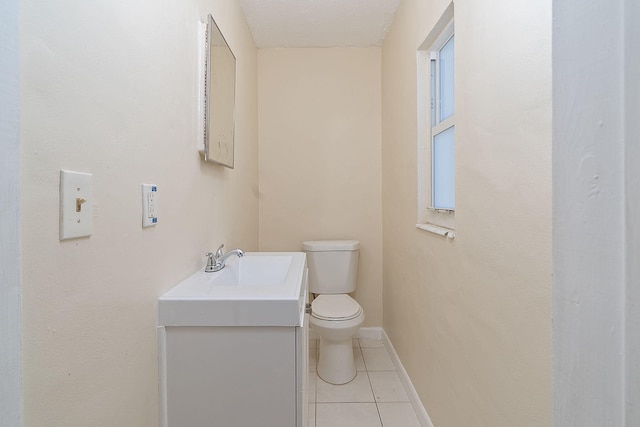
219, 251
210, 262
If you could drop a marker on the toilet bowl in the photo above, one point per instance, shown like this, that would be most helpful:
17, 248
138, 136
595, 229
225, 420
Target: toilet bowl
336, 319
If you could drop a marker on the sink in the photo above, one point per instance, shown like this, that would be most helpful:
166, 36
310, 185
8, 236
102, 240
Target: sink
259, 289
265, 270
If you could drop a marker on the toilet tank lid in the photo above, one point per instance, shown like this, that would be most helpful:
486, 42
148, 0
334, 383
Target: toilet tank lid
330, 245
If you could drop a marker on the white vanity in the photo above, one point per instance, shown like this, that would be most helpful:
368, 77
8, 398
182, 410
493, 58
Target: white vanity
234, 345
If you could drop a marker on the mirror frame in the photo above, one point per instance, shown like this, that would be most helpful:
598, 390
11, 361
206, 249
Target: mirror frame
219, 130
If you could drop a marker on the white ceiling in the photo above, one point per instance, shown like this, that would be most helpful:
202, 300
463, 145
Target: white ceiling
319, 23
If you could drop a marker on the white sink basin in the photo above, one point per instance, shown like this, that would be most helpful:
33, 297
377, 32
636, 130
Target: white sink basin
264, 270
259, 289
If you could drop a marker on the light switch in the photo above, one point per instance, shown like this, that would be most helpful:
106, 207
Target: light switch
76, 205
149, 205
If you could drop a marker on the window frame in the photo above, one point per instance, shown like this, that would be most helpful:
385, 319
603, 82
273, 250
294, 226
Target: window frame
438, 220
438, 125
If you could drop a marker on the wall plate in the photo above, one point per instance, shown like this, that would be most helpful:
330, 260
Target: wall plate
149, 205
76, 205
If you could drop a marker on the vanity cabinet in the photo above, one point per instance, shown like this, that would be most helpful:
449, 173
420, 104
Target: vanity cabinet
235, 375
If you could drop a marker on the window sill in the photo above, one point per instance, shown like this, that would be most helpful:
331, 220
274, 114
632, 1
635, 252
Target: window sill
441, 231
441, 210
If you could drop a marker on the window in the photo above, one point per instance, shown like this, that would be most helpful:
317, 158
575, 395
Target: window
442, 127
436, 133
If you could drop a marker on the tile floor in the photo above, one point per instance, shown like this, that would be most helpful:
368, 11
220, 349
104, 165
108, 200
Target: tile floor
375, 397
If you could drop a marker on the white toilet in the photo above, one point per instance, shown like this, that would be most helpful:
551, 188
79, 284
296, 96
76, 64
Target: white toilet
335, 316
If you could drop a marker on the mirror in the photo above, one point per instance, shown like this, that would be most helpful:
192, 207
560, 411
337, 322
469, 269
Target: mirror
219, 99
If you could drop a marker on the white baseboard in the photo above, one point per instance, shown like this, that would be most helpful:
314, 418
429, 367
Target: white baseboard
369, 333
421, 413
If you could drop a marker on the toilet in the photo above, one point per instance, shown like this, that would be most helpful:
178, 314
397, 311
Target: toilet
335, 316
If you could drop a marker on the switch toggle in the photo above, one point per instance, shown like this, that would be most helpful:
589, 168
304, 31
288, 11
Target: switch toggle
79, 202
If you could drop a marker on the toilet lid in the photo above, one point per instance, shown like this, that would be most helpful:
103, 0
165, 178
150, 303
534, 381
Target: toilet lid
335, 307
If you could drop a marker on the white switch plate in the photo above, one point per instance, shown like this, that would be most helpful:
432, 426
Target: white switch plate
149, 205
76, 205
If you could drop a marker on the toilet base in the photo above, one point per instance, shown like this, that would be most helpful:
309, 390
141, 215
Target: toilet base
335, 361
335, 358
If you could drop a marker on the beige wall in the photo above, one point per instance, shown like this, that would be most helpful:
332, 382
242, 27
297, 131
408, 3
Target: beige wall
111, 89
320, 130
471, 317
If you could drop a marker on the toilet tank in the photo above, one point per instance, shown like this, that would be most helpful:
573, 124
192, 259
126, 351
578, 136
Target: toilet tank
333, 265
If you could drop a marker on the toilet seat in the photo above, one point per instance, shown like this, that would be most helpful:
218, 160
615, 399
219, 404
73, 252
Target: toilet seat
335, 307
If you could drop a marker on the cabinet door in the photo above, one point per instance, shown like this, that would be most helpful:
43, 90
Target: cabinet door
231, 376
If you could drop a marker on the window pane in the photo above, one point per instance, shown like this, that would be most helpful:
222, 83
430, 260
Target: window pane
446, 80
444, 179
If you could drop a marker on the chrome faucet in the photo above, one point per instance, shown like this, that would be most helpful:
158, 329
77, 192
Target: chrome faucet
215, 261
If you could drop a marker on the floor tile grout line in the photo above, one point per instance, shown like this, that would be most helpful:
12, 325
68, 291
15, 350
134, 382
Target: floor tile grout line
371, 385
